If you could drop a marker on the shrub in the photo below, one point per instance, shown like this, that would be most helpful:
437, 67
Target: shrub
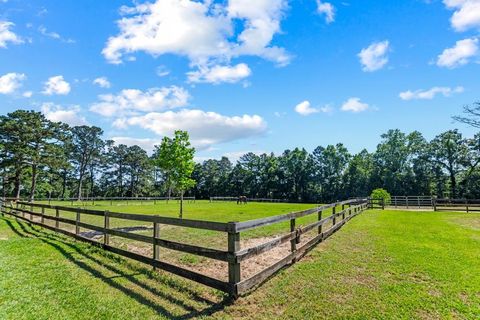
381, 194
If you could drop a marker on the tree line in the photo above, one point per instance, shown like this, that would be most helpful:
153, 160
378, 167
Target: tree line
43, 159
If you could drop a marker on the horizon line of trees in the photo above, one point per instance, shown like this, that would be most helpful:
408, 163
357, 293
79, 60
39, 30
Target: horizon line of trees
40, 158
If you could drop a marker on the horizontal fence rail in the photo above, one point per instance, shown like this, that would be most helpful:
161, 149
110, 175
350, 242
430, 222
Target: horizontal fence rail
435, 204
323, 227
411, 201
248, 199
468, 205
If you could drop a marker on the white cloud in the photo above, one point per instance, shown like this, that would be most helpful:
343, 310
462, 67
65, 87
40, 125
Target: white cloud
162, 71
69, 115
354, 105
202, 31
458, 55
304, 108
27, 94
205, 128
10, 82
102, 82
429, 94
466, 15
375, 56
131, 101
6, 35
53, 35
56, 85
327, 9
218, 74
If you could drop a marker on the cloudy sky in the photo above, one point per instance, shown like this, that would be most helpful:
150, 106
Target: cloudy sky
243, 75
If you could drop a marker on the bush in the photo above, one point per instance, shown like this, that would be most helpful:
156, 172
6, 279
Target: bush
381, 194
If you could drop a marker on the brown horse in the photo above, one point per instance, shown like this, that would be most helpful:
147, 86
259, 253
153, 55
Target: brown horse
242, 200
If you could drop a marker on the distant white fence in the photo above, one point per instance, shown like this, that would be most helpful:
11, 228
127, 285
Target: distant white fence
411, 201
428, 202
248, 199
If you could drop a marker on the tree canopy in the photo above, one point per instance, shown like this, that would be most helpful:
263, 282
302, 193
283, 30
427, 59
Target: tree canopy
40, 158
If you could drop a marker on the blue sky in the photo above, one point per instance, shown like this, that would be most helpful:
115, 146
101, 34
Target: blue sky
243, 75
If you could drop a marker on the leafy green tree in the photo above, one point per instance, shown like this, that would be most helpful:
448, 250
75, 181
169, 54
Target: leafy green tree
330, 165
380, 193
87, 147
450, 152
30, 141
356, 179
175, 158
296, 172
138, 166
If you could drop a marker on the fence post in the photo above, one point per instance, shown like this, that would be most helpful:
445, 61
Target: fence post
466, 204
106, 226
319, 218
234, 275
43, 214
293, 242
434, 204
383, 203
57, 215
156, 235
77, 227
334, 210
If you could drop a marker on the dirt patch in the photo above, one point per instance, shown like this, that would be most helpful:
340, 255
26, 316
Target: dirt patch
211, 267
469, 222
95, 235
427, 315
435, 293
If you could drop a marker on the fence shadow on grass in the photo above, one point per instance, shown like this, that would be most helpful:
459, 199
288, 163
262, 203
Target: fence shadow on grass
159, 294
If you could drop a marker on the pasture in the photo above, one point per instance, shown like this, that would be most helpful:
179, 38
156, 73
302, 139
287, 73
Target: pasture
182, 246
382, 264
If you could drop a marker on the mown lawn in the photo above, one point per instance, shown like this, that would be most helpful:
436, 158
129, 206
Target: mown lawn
382, 265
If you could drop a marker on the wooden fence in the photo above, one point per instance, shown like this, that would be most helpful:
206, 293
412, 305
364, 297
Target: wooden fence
429, 202
323, 227
468, 205
411, 201
248, 199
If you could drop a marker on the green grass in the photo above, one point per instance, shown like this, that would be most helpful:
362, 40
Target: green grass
381, 265
200, 210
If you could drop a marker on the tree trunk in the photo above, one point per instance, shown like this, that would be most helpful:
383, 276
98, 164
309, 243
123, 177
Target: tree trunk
181, 205
453, 185
79, 190
16, 189
169, 193
34, 183
64, 183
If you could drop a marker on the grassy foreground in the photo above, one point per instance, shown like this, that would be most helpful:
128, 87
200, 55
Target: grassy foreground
390, 264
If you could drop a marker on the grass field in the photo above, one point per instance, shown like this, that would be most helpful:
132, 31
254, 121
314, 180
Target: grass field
200, 210
382, 265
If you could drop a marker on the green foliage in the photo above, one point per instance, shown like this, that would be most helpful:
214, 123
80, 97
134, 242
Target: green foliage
39, 158
380, 193
175, 158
